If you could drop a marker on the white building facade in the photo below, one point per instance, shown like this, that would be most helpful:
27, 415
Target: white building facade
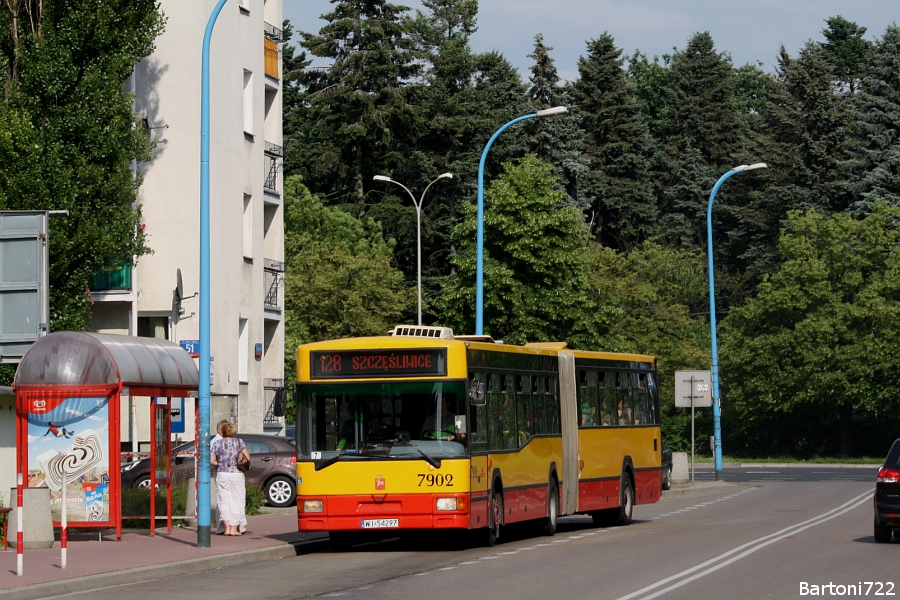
246, 212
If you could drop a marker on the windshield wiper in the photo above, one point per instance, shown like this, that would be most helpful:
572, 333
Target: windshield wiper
325, 463
434, 462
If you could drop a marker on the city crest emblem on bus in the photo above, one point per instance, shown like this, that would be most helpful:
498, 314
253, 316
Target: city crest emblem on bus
379, 483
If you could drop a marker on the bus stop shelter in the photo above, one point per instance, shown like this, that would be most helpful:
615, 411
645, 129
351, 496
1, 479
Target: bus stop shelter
68, 416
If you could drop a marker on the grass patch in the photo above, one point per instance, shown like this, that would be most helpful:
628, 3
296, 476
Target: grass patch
816, 460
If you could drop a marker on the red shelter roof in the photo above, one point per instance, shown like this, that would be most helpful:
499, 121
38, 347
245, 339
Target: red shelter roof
147, 366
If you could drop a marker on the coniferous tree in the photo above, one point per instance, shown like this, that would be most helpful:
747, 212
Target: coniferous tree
701, 140
560, 142
618, 145
358, 108
846, 51
876, 115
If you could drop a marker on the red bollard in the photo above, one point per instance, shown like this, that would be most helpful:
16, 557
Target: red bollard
20, 537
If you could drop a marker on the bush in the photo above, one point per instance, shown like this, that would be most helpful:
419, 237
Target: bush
136, 503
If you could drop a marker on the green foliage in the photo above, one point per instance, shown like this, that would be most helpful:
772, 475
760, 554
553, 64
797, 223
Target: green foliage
809, 361
876, 117
846, 51
339, 280
623, 210
136, 503
535, 265
67, 136
254, 499
657, 291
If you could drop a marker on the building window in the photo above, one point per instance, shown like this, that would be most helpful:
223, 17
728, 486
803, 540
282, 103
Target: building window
248, 102
243, 350
248, 227
153, 327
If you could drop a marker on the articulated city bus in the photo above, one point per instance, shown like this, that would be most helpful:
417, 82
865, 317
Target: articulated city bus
422, 429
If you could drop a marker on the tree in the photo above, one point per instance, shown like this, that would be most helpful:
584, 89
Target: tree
618, 144
560, 142
358, 108
876, 122
660, 298
811, 359
339, 280
847, 52
535, 265
68, 135
702, 138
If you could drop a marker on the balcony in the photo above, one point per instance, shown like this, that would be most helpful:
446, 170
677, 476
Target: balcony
118, 279
275, 393
274, 36
273, 279
274, 155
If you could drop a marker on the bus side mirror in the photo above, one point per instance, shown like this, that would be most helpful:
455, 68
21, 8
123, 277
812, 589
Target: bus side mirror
476, 393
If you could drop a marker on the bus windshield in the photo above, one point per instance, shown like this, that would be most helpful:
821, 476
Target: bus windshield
398, 420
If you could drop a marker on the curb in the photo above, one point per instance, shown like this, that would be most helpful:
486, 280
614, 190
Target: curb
149, 573
699, 488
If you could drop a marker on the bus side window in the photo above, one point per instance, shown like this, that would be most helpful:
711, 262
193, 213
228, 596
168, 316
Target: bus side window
523, 408
495, 429
642, 403
607, 398
537, 399
508, 414
551, 401
624, 408
478, 421
587, 399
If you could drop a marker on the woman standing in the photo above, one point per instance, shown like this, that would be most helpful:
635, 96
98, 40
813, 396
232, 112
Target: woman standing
231, 491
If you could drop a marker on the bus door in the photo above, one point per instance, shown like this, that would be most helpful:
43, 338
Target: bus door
479, 473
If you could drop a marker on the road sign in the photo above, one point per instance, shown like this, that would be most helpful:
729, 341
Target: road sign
192, 347
24, 289
696, 385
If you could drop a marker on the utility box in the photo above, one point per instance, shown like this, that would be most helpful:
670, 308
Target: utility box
24, 286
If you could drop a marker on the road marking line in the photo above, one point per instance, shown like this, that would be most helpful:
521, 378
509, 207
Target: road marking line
489, 557
513, 552
572, 537
541, 545
469, 562
753, 546
590, 533
447, 568
559, 541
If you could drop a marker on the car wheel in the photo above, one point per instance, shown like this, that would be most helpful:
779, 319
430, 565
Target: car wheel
882, 533
280, 492
552, 519
667, 478
143, 483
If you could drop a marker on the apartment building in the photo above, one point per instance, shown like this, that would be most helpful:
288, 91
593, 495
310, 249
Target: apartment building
159, 297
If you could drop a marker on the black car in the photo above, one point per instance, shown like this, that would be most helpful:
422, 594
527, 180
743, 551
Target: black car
273, 466
887, 497
666, 467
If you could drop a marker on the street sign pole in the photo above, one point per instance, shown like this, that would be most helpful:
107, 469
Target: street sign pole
692, 430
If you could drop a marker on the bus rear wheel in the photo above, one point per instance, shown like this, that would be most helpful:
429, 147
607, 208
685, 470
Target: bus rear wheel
552, 519
621, 515
495, 518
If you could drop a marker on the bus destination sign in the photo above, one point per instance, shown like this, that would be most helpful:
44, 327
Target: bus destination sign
356, 364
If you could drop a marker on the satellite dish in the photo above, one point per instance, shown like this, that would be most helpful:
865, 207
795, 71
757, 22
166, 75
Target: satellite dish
179, 287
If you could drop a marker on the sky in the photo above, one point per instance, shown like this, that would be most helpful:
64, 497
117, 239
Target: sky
751, 31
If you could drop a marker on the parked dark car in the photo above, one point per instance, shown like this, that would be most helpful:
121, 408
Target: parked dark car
273, 465
666, 467
887, 497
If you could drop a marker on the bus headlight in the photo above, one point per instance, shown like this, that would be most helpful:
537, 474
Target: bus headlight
446, 503
313, 506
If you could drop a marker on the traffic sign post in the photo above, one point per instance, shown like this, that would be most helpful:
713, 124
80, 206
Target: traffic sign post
692, 389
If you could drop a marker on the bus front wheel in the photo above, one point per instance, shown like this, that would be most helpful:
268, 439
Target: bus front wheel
495, 518
552, 510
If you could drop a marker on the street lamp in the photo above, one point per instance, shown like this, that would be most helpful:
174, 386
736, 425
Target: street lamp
717, 411
203, 504
556, 111
418, 206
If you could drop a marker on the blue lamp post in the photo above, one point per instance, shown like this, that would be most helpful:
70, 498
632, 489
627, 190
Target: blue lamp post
717, 411
557, 111
203, 505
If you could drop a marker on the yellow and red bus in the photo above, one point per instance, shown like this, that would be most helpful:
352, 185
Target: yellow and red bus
421, 429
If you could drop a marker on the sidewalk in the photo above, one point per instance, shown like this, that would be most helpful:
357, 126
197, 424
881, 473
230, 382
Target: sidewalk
92, 563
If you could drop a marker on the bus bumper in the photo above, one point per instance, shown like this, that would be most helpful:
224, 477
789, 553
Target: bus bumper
411, 511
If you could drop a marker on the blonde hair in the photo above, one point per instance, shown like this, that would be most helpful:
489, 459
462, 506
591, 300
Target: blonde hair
228, 430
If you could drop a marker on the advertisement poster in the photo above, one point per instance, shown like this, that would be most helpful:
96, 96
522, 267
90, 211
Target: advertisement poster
71, 434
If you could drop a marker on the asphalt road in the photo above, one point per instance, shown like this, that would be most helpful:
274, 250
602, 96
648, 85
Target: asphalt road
754, 540
767, 473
